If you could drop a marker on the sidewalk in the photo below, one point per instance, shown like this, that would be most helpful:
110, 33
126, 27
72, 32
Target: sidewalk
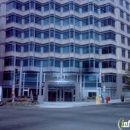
73, 104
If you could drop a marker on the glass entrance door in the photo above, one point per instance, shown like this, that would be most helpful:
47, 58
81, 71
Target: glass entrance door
52, 95
68, 95
61, 93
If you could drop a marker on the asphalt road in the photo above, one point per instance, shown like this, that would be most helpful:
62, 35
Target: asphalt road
80, 118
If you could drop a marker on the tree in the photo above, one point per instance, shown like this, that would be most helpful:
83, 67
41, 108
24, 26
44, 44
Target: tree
127, 77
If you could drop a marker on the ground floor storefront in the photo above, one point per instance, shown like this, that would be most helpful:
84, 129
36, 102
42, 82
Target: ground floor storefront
60, 87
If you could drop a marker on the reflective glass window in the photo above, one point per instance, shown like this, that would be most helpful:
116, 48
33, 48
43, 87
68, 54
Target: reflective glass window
46, 48
38, 6
65, 35
45, 63
65, 8
66, 63
57, 63
57, 48
66, 49
46, 34
37, 48
57, 7
18, 48
46, 7
37, 63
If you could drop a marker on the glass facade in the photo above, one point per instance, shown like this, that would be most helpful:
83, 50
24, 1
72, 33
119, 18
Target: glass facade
67, 37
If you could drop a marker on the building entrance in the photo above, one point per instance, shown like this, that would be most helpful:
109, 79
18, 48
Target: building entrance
61, 93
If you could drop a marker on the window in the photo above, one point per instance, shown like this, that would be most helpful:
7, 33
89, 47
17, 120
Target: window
46, 34
77, 8
122, 39
12, 5
77, 22
9, 6
109, 49
7, 75
37, 34
110, 77
127, 17
37, 63
123, 52
107, 22
123, 80
18, 33
122, 26
26, 6
127, 5
26, 33
77, 49
17, 62
96, 9
77, 35
109, 64
25, 62
85, 49
37, 48
14, 18
66, 63
57, 63
57, 7
46, 48
66, 49
123, 65
121, 14
66, 21
128, 29
121, 2
45, 63
84, 8
38, 7
18, 48
57, 35
9, 47
8, 61
57, 48
9, 32
18, 6
19, 19
46, 7
65, 8
25, 48
107, 8
58, 21
108, 35
129, 54
128, 41
46, 21
65, 35
38, 20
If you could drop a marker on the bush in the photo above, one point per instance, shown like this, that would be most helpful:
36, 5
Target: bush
94, 97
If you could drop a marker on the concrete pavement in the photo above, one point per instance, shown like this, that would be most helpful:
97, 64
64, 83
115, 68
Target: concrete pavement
73, 104
98, 117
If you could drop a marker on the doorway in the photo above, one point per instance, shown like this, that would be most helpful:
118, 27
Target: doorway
68, 95
61, 93
52, 96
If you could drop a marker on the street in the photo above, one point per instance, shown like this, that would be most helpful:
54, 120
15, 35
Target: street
101, 117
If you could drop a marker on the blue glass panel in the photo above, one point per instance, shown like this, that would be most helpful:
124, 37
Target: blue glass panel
45, 63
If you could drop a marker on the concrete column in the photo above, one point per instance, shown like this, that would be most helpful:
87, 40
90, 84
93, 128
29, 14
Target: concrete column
20, 81
77, 95
80, 82
60, 90
45, 95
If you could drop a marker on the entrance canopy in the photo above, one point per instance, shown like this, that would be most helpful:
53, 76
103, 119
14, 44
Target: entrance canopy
61, 82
